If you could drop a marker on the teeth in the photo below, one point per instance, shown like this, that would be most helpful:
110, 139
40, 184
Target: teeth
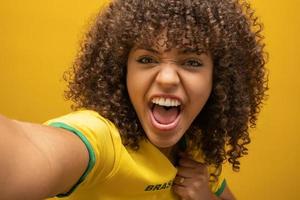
165, 101
173, 102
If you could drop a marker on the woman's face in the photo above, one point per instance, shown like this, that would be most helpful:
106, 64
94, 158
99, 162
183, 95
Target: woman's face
168, 88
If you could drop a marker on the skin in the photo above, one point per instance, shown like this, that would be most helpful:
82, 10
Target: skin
55, 170
196, 181
170, 73
34, 169
186, 75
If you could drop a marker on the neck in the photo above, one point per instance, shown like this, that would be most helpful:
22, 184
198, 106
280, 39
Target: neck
170, 153
166, 151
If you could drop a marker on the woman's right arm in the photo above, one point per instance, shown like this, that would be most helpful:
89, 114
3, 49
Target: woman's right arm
38, 161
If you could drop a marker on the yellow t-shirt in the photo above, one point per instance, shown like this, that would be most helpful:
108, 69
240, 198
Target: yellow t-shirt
115, 171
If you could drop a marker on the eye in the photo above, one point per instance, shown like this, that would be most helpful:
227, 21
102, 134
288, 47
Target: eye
146, 60
192, 63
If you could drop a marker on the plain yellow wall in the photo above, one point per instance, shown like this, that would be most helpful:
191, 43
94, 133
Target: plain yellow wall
39, 39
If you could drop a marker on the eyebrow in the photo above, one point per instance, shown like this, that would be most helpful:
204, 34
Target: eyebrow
187, 50
181, 51
192, 50
151, 50
146, 49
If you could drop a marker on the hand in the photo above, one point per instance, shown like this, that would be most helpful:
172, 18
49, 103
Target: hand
192, 180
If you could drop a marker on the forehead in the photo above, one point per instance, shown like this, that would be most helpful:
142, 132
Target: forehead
163, 50
163, 42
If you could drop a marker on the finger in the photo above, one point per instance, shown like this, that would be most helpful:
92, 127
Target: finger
186, 182
189, 172
180, 191
194, 182
187, 162
184, 193
179, 180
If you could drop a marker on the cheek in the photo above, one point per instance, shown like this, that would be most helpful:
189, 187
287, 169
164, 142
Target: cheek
200, 87
130, 79
138, 81
207, 82
135, 86
207, 89
198, 96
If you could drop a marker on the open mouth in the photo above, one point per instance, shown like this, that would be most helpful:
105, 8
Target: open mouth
165, 112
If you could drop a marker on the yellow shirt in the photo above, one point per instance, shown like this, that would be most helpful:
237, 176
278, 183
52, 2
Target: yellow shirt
116, 172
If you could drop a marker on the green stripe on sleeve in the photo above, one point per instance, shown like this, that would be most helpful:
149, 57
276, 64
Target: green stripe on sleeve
89, 148
221, 188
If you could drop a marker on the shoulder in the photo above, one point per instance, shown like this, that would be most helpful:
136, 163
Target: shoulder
97, 132
85, 122
80, 118
101, 138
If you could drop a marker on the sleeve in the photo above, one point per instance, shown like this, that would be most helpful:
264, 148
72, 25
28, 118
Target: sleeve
95, 132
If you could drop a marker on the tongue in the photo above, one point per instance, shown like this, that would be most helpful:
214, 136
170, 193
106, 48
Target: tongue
165, 116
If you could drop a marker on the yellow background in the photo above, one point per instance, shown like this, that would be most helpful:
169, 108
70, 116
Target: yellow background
39, 39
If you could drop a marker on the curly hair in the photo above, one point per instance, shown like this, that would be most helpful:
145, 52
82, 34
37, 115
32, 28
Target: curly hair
228, 29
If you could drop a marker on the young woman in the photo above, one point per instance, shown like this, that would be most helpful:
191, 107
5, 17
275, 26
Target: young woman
165, 92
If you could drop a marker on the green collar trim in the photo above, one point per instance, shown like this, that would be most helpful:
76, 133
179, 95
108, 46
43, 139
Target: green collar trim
221, 189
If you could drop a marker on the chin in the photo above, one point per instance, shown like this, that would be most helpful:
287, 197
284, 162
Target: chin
164, 143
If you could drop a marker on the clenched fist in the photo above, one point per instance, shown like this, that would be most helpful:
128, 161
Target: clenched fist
192, 180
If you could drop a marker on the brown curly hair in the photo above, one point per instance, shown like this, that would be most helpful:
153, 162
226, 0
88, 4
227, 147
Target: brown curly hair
228, 29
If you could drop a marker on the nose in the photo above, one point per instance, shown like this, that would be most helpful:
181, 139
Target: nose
167, 77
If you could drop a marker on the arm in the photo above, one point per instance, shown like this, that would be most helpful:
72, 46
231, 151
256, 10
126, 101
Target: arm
38, 161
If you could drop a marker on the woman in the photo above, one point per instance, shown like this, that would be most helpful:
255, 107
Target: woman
165, 92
